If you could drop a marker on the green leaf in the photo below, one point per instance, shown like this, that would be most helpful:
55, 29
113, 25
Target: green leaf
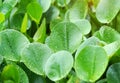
102, 81
112, 48
34, 56
34, 10
40, 33
45, 6
64, 36
107, 34
14, 74
24, 23
52, 14
91, 63
2, 18
83, 25
62, 3
78, 10
14, 22
1, 59
7, 6
90, 41
113, 73
12, 43
104, 8
59, 65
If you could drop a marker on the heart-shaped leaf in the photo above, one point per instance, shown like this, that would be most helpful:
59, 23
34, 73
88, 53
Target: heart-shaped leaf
91, 63
59, 65
12, 43
113, 73
34, 56
34, 10
64, 36
104, 8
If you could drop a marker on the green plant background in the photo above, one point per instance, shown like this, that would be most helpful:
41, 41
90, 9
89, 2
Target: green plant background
59, 41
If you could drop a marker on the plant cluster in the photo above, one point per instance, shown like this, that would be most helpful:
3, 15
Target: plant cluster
59, 41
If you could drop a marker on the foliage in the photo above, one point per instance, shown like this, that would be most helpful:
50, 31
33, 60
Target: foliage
59, 41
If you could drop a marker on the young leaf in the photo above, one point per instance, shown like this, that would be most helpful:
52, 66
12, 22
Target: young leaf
91, 63
113, 73
104, 8
62, 3
45, 6
40, 33
34, 56
59, 65
2, 18
78, 10
12, 43
64, 36
112, 48
107, 34
14, 74
34, 10
83, 25
24, 23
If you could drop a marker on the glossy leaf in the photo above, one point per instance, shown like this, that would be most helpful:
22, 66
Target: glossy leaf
78, 10
91, 63
64, 36
14, 74
59, 65
34, 56
107, 34
12, 43
40, 34
34, 10
83, 25
113, 73
104, 8
62, 3
45, 6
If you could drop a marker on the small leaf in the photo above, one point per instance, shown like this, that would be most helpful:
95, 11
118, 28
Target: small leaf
40, 33
62, 3
83, 25
14, 74
91, 63
107, 34
64, 36
45, 6
34, 10
2, 17
112, 48
104, 8
34, 56
113, 73
78, 10
12, 43
59, 65
24, 23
